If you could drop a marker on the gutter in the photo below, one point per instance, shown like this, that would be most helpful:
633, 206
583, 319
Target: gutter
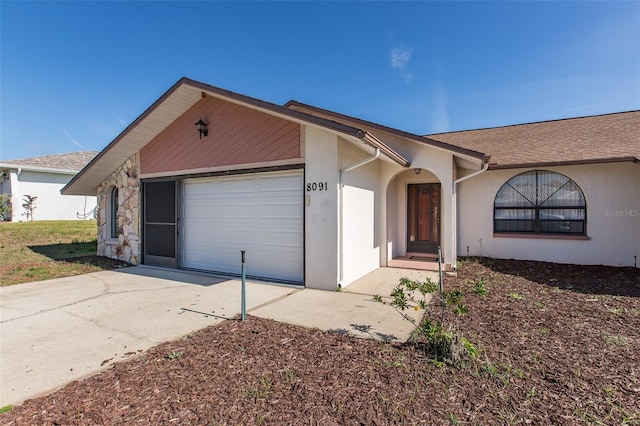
484, 168
344, 170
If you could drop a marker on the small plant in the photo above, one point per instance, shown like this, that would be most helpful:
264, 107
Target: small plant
453, 297
480, 287
6, 409
262, 390
614, 339
453, 419
443, 344
29, 206
5, 206
290, 376
516, 296
460, 309
173, 355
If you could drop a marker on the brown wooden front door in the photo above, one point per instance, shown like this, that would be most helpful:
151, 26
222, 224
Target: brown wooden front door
423, 218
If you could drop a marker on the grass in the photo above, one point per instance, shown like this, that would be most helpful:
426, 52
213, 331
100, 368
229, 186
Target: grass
42, 250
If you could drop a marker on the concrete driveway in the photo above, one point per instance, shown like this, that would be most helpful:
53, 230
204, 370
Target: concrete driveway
54, 332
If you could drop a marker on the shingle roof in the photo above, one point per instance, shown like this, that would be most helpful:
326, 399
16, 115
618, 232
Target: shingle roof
600, 138
73, 161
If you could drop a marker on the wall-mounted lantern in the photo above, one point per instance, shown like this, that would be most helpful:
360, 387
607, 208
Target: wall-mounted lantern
201, 126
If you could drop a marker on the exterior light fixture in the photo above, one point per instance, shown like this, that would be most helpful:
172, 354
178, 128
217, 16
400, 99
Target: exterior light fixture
201, 126
417, 171
5, 177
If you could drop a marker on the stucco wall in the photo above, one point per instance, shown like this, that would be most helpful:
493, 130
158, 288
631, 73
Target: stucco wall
50, 204
321, 209
127, 246
361, 201
613, 218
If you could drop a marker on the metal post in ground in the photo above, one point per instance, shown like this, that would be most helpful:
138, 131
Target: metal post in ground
440, 268
243, 299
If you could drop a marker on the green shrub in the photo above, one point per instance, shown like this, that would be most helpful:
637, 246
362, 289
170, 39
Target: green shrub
442, 343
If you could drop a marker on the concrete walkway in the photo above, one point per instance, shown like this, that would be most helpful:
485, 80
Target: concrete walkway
54, 332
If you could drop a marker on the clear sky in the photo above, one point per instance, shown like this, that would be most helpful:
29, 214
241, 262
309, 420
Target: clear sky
73, 75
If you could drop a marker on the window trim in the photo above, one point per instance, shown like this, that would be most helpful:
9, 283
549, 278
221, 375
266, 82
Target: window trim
538, 207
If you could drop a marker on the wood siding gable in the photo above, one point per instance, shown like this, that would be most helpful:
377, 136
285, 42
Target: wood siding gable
237, 135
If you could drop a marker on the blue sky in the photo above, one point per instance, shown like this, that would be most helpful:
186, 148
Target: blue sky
73, 75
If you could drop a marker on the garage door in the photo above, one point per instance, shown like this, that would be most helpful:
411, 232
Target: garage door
261, 213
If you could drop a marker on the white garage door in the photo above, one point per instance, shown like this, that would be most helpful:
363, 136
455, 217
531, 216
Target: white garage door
261, 213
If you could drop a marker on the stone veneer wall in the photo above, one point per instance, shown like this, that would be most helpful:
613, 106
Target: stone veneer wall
127, 246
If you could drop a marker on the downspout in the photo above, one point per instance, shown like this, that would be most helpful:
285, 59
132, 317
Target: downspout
344, 170
485, 166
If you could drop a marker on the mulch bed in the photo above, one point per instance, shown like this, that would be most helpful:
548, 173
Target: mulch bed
559, 344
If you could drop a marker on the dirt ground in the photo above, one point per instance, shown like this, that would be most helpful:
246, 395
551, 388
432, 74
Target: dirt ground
558, 345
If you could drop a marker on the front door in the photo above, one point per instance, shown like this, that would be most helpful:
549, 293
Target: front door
423, 218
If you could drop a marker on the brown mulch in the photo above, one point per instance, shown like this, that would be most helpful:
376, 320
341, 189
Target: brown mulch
559, 344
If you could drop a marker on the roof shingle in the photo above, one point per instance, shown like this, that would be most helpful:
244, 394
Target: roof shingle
73, 161
600, 138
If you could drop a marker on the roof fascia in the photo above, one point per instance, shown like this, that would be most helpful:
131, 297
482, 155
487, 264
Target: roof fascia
413, 137
124, 133
496, 166
28, 168
264, 106
374, 142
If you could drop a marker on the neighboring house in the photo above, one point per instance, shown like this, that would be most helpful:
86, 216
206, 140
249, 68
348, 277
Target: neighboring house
43, 178
320, 199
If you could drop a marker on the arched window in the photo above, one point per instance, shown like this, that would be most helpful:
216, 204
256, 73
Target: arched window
113, 213
540, 202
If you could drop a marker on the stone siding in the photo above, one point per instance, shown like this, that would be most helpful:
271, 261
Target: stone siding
127, 246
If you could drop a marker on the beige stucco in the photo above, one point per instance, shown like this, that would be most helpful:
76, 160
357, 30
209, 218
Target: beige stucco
321, 209
361, 213
613, 218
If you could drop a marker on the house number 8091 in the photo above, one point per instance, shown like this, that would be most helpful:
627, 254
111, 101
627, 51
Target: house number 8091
317, 186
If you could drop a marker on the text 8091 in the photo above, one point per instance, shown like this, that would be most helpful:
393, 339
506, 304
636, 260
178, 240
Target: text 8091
317, 186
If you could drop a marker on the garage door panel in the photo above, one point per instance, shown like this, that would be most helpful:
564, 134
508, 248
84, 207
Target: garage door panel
234, 211
259, 213
280, 183
284, 210
236, 186
236, 236
280, 239
200, 258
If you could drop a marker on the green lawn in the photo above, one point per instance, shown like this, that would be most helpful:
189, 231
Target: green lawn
41, 250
